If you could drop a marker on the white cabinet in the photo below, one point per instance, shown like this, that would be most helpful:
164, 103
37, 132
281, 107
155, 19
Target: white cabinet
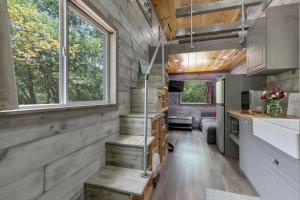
272, 45
256, 47
274, 174
280, 175
250, 153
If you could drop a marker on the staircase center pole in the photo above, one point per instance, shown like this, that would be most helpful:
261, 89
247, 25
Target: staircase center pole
163, 58
145, 174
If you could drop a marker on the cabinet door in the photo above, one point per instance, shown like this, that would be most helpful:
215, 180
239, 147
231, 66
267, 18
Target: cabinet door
246, 150
220, 128
242, 146
255, 58
256, 46
280, 175
250, 159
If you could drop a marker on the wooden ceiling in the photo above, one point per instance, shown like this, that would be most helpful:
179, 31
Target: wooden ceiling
208, 61
166, 10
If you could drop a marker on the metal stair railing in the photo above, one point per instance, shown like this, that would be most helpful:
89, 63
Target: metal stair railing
161, 43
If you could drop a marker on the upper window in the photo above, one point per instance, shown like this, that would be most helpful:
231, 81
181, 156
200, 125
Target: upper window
197, 92
61, 51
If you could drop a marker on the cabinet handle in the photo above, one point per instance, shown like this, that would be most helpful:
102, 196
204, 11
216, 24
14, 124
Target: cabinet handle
275, 162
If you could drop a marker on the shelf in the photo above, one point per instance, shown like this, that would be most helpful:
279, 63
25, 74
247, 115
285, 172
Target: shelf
234, 139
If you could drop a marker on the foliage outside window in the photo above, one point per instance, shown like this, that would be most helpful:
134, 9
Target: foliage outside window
37, 50
87, 59
196, 92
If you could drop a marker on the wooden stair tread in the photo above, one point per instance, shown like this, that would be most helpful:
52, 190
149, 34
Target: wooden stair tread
123, 180
141, 115
130, 140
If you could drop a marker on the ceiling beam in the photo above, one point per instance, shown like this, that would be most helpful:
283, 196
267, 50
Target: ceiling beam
205, 38
213, 29
215, 7
209, 45
204, 75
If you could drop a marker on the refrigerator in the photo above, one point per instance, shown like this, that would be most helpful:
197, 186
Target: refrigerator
228, 97
220, 114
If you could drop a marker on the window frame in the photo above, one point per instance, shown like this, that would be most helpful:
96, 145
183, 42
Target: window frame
89, 13
192, 103
84, 16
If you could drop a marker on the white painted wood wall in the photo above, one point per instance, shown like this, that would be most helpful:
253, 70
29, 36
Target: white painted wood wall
48, 156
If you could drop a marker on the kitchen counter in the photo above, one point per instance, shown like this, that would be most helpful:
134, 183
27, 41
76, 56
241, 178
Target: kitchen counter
280, 132
250, 117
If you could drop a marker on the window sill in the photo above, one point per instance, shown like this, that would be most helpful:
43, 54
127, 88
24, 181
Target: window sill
58, 108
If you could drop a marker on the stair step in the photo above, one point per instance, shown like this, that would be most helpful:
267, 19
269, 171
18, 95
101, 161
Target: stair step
152, 116
133, 123
155, 97
128, 151
157, 69
130, 141
117, 182
155, 80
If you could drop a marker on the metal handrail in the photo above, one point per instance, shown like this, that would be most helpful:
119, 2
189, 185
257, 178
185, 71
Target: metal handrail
243, 21
161, 42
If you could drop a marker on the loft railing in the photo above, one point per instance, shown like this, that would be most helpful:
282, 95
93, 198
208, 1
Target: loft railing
161, 43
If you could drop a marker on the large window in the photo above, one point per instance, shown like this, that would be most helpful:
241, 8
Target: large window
87, 58
61, 51
197, 92
35, 43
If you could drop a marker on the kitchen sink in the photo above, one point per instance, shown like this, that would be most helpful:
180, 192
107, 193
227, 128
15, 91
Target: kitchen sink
279, 132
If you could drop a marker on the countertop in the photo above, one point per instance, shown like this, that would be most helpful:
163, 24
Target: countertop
250, 117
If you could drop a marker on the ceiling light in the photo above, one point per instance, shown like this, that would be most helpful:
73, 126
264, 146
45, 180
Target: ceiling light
225, 57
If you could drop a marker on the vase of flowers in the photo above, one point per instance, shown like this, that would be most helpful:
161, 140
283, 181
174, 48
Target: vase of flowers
273, 100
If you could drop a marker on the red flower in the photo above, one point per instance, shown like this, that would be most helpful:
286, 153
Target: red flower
263, 97
273, 94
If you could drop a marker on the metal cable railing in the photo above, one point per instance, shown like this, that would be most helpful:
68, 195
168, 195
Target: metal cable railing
161, 43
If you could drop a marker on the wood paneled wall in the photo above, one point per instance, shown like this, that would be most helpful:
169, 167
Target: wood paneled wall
48, 156
194, 111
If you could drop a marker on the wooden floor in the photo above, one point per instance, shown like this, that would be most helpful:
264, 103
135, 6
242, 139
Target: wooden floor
194, 166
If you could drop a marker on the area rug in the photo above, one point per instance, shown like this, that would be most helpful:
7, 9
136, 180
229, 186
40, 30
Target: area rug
212, 194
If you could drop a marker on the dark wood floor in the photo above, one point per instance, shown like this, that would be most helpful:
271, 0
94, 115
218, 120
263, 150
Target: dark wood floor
194, 166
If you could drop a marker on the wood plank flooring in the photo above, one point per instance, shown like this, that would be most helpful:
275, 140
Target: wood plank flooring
194, 166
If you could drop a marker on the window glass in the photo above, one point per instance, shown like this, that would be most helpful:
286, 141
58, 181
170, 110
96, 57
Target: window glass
87, 56
196, 91
35, 44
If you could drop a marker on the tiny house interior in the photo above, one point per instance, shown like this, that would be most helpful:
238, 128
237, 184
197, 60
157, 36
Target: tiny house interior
149, 100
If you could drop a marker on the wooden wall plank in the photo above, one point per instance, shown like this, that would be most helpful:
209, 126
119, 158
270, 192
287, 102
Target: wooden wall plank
67, 189
26, 188
61, 169
25, 158
37, 127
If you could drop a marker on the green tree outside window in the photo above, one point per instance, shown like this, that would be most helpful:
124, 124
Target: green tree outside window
195, 91
36, 43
